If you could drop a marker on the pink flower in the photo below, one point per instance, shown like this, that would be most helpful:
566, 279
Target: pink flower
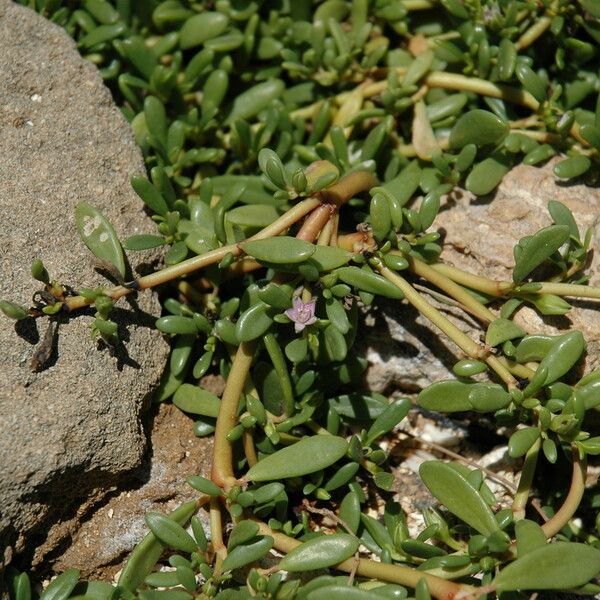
302, 314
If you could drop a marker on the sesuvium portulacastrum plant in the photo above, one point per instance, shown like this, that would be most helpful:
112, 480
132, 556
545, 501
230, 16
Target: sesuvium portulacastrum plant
298, 153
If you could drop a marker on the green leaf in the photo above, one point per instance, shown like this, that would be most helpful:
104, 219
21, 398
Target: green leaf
548, 304
502, 330
146, 554
334, 344
574, 166
255, 99
196, 400
454, 491
252, 215
268, 492
247, 553
330, 257
562, 355
176, 594
324, 451
337, 591
62, 586
176, 324
243, 532
202, 27
143, 242
469, 367
531, 81
479, 127
337, 315
169, 532
558, 566
92, 590
488, 397
19, 584
342, 476
529, 535
368, 281
39, 271
446, 396
591, 446
253, 322
150, 195
279, 250
380, 216
199, 533
537, 248
204, 486
521, 440
486, 175
561, 215
534, 347
388, 419
349, 511
320, 552
13, 310
99, 236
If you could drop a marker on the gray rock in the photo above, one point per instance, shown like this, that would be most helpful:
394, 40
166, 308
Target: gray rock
70, 431
405, 351
98, 546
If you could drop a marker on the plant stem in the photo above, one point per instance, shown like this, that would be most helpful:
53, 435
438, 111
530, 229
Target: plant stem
516, 369
504, 288
463, 341
569, 289
216, 534
573, 499
438, 587
222, 468
315, 222
533, 33
190, 265
475, 282
422, 269
249, 450
525, 481
453, 81
347, 187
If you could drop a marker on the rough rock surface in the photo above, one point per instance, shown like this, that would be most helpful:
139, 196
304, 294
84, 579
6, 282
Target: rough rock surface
110, 532
72, 430
405, 351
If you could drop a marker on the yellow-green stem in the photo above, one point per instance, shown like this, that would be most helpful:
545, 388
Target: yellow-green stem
475, 282
569, 289
422, 269
573, 499
533, 33
516, 369
349, 186
453, 81
249, 450
222, 467
504, 288
190, 265
463, 341
524, 488
216, 534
